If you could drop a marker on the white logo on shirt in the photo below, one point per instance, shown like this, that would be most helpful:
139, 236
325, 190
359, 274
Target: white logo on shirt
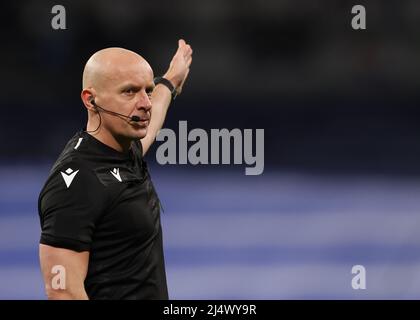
68, 176
116, 173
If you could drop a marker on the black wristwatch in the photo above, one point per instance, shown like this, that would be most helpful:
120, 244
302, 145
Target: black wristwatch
168, 84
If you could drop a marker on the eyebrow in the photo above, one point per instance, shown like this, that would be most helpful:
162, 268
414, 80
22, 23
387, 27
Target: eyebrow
149, 88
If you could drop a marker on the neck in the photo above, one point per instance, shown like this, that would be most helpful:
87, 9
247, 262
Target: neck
106, 137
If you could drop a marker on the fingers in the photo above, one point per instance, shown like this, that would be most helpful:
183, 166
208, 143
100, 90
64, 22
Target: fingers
188, 55
189, 50
181, 43
189, 60
184, 48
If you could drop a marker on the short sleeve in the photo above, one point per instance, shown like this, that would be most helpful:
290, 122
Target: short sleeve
69, 206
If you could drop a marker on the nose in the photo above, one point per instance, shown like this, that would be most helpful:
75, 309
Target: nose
144, 102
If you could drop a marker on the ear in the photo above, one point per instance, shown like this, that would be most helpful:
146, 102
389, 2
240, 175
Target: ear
87, 95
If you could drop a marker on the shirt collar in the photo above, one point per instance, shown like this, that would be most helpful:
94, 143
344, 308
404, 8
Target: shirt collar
99, 147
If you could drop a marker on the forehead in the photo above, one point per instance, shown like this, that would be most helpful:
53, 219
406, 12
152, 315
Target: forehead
136, 72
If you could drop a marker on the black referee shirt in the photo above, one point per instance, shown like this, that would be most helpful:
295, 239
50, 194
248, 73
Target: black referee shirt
103, 201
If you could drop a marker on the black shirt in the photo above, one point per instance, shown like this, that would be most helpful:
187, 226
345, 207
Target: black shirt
103, 201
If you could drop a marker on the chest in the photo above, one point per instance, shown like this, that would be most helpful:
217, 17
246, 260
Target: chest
133, 207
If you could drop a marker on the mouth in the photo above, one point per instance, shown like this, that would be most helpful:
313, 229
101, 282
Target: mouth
143, 117
143, 123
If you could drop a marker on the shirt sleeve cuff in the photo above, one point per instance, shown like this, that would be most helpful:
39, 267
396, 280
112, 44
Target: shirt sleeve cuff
66, 243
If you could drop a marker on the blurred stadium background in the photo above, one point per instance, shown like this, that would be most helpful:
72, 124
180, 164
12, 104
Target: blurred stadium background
341, 185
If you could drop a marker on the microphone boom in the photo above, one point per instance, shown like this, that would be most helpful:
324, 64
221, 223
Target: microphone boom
133, 118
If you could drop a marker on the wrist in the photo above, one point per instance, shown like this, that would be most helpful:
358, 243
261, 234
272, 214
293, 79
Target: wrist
164, 81
173, 79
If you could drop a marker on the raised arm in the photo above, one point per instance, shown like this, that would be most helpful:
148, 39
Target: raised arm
161, 96
64, 272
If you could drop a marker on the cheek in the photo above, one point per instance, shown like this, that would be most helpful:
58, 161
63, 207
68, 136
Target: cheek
113, 123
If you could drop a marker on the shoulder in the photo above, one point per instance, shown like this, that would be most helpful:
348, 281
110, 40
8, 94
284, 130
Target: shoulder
75, 172
72, 170
71, 179
71, 176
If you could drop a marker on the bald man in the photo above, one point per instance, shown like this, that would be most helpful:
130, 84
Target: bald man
100, 215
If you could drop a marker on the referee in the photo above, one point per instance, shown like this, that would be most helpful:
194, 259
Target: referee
100, 215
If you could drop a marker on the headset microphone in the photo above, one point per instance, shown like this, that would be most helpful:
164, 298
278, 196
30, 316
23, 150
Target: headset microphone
132, 118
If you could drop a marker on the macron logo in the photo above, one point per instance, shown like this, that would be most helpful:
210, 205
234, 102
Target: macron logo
68, 176
116, 173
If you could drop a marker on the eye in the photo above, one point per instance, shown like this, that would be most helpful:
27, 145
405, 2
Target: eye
129, 91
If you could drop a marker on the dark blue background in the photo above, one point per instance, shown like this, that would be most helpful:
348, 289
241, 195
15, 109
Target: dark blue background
340, 112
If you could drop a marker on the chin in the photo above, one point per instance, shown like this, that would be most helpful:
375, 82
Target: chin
140, 133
